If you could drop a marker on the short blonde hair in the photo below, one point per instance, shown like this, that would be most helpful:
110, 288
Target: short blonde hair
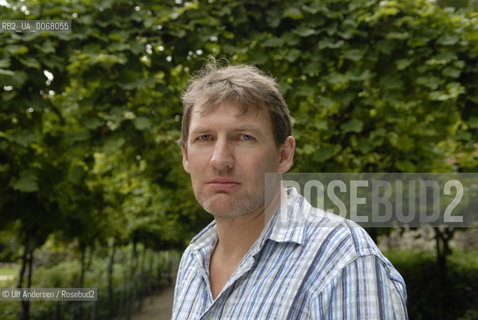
244, 85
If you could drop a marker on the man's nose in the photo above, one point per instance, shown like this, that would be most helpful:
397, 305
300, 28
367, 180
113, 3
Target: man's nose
222, 157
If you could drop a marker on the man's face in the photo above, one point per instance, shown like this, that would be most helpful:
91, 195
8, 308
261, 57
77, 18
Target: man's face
227, 155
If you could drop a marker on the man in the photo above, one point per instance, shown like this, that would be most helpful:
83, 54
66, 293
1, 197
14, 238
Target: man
262, 258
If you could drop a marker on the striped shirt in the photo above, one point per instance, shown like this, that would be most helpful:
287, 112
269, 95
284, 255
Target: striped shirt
306, 264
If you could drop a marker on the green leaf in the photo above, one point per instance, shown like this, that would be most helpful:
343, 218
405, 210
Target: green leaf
4, 63
448, 40
113, 144
293, 13
329, 43
258, 57
292, 55
364, 145
354, 54
473, 122
386, 46
274, 16
47, 47
9, 73
327, 102
118, 35
398, 35
273, 42
473, 98
438, 96
308, 149
429, 82
25, 138
321, 125
93, 123
110, 59
405, 166
327, 152
75, 174
142, 123
358, 74
30, 62
14, 78
290, 39
451, 72
6, 96
304, 31
305, 90
27, 182
391, 82
312, 67
337, 78
353, 125
403, 63
17, 49
442, 58
404, 142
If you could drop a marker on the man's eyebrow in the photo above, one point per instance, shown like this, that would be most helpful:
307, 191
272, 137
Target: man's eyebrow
200, 130
249, 129
239, 129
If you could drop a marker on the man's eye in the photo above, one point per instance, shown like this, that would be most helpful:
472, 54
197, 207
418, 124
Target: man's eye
247, 137
204, 137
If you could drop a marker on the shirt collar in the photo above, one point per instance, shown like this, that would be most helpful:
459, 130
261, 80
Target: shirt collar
287, 224
206, 237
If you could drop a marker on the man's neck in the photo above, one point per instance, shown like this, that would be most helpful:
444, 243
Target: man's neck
236, 235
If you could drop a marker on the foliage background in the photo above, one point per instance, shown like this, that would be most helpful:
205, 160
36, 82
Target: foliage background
89, 119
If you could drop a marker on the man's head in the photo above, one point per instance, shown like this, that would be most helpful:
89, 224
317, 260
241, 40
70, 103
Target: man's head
242, 85
235, 128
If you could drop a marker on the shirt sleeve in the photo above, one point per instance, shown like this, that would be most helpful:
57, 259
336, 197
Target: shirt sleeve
178, 287
366, 289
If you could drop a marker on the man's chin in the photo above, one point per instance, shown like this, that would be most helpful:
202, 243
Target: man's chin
219, 210
224, 205
222, 208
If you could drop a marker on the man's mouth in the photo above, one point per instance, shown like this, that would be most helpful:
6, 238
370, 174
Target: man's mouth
222, 184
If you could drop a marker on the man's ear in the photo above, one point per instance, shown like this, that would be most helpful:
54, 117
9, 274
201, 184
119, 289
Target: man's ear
184, 152
286, 155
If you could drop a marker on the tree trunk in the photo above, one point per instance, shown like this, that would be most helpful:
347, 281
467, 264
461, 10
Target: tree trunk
79, 306
27, 266
132, 292
143, 284
150, 279
24, 264
111, 304
442, 246
26, 271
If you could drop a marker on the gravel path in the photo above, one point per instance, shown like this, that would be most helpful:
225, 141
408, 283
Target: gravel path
157, 307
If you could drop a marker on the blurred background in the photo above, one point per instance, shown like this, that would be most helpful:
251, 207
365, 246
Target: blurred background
92, 191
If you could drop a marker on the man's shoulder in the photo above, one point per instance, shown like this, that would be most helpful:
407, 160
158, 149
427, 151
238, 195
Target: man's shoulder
332, 235
333, 245
317, 229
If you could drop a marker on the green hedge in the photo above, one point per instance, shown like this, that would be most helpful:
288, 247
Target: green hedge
420, 272
373, 86
128, 294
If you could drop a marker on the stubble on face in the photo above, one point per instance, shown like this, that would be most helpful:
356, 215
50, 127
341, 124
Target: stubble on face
250, 165
227, 206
